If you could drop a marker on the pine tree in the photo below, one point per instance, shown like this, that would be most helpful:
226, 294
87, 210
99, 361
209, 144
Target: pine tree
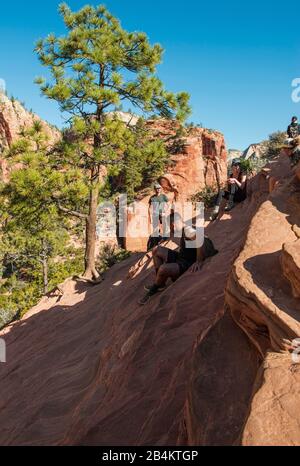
33, 230
96, 67
143, 161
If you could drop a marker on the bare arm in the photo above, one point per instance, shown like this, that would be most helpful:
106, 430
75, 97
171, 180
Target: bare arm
240, 184
200, 259
149, 213
243, 182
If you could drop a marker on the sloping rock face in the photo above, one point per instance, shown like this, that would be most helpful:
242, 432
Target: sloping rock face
247, 391
14, 118
198, 160
263, 296
259, 290
275, 407
205, 362
290, 262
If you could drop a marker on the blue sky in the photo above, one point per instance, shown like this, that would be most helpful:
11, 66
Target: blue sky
237, 60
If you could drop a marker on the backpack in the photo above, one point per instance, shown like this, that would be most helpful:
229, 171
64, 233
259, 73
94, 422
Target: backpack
209, 248
153, 241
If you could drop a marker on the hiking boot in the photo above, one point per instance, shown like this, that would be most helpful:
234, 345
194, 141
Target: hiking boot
214, 214
230, 205
150, 286
152, 291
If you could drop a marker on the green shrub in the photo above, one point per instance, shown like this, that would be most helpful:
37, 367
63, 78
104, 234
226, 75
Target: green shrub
17, 296
273, 145
207, 196
110, 255
252, 165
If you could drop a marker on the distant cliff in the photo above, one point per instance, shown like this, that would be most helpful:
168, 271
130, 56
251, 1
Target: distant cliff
234, 154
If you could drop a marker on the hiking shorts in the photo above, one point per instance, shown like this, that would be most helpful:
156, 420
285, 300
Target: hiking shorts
174, 258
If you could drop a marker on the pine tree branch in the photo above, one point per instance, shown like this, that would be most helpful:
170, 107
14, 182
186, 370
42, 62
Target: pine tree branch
74, 213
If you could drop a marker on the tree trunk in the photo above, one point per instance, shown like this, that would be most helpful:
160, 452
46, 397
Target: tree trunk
91, 221
45, 274
44, 261
90, 239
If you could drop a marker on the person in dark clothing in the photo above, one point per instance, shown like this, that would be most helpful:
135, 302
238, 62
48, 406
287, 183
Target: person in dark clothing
294, 151
293, 130
158, 206
236, 189
172, 264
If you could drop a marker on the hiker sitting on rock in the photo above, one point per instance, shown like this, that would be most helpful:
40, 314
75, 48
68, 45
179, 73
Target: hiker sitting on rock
293, 151
157, 212
292, 147
172, 264
236, 189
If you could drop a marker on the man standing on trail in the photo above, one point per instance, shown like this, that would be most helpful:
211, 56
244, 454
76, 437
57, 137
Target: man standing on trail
293, 129
158, 206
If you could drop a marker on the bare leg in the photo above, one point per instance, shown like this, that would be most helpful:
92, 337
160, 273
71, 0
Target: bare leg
230, 203
167, 271
219, 198
216, 208
163, 272
160, 256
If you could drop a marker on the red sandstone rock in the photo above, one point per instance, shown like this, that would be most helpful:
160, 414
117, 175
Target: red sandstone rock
220, 390
262, 294
198, 160
290, 261
206, 362
259, 296
275, 408
94, 367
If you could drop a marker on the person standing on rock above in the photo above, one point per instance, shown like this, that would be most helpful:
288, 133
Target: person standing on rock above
157, 212
236, 189
293, 130
172, 264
